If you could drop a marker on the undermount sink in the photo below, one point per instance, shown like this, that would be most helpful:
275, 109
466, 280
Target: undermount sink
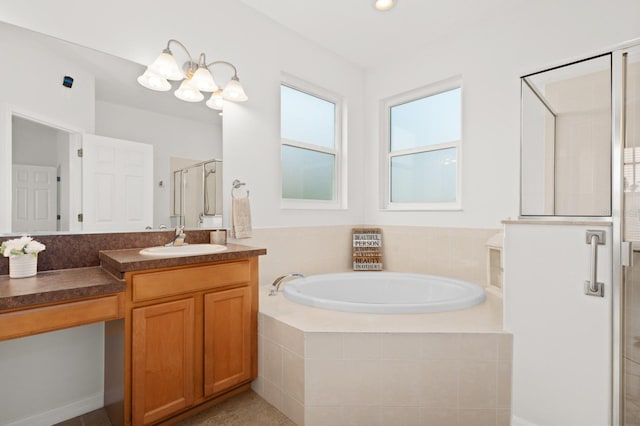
185, 250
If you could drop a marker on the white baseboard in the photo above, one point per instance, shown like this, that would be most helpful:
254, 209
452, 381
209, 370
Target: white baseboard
65, 412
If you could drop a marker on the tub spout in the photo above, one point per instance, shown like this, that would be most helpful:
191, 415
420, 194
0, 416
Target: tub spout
275, 286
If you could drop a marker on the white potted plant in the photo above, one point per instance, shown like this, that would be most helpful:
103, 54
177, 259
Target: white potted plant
23, 256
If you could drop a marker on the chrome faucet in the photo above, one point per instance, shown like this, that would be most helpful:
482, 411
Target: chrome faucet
179, 238
275, 286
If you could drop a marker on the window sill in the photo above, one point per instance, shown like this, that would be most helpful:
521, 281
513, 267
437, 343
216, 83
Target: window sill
290, 204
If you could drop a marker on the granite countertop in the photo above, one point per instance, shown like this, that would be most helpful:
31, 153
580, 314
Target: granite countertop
120, 261
57, 286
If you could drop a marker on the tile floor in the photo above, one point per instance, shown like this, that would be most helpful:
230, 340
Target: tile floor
245, 409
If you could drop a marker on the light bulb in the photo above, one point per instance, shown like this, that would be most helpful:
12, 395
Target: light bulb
165, 66
233, 91
153, 81
384, 4
216, 101
203, 80
188, 93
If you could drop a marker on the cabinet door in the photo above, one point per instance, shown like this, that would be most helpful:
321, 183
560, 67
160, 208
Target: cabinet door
227, 339
163, 358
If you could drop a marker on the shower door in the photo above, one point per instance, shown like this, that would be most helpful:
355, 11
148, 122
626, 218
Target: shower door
630, 329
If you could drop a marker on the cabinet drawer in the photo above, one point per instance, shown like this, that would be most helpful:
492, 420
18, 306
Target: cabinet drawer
49, 318
154, 285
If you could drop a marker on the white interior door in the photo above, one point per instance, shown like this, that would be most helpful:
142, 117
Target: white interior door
117, 184
34, 198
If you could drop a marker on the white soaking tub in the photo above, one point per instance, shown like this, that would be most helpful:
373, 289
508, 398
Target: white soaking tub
384, 292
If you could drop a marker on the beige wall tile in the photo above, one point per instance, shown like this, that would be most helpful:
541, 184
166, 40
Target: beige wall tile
439, 417
477, 417
477, 384
322, 416
292, 339
257, 386
503, 418
400, 416
323, 345
361, 416
324, 382
260, 355
440, 385
272, 368
403, 382
440, 346
505, 347
362, 345
272, 394
284, 335
504, 385
362, 382
293, 375
293, 409
401, 346
479, 346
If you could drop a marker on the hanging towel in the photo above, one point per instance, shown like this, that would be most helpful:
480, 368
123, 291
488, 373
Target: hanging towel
241, 217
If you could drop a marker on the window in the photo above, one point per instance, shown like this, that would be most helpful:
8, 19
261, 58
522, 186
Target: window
424, 137
310, 151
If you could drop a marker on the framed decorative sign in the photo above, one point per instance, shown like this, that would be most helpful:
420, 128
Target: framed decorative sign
367, 249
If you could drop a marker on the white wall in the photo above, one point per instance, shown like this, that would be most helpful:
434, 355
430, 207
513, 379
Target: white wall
50, 377
34, 144
490, 57
170, 137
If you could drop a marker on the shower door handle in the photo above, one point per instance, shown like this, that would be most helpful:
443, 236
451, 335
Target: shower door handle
593, 287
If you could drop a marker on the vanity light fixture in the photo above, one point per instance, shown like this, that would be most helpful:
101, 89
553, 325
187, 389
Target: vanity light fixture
384, 4
196, 78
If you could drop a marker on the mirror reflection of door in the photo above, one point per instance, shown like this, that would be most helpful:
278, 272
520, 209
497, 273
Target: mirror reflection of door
41, 168
566, 140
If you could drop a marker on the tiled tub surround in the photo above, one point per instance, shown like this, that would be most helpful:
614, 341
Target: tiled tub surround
332, 368
459, 253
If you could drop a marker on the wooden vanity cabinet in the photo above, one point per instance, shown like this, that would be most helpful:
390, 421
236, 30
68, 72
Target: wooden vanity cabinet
191, 338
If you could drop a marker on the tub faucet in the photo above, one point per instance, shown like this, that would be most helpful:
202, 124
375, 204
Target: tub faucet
275, 286
178, 239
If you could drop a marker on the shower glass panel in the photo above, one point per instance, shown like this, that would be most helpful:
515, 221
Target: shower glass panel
631, 234
566, 140
197, 194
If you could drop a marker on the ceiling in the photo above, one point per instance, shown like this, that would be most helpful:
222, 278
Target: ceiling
355, 30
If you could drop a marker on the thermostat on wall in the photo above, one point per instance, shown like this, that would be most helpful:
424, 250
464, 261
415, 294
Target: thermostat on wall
67, 81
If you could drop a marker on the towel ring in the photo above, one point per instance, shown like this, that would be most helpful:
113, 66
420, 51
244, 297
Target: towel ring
236, 184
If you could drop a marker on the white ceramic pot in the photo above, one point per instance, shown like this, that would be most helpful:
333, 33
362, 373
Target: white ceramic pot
23, 266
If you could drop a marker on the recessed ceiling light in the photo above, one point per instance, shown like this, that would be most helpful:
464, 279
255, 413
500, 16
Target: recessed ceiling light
384, 4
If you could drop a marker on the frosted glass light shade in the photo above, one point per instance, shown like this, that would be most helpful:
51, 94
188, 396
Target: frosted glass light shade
166, 66
188, 93
203, 80
153, 81
384, 4
216, 101
233, 91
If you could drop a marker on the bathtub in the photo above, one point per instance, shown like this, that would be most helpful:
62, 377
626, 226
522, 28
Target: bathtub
384, 292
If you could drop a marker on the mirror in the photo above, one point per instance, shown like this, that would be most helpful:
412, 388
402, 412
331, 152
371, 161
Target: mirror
566, 140
45, 123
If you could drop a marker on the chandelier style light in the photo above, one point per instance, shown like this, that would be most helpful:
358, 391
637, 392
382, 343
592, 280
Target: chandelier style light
196, 78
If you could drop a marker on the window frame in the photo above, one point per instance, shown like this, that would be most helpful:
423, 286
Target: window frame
387, 155
338, 151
